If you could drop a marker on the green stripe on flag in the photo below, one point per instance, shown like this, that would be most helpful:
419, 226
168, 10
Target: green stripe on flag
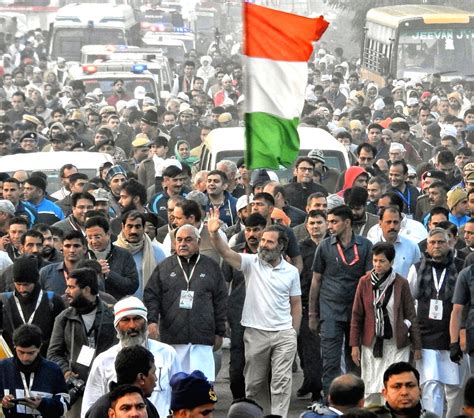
271, 141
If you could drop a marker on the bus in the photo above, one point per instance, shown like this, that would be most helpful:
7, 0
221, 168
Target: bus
76, 26
415, 41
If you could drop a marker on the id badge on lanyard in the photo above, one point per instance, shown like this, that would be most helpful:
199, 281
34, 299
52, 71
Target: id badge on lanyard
436, 305
186, 299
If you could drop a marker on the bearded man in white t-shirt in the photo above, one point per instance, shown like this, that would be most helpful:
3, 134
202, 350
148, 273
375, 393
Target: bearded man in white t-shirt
271, 314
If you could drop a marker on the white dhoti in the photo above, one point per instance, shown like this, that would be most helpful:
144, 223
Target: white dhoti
440, 378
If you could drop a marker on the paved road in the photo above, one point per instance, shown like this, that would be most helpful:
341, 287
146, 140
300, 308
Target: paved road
225, 396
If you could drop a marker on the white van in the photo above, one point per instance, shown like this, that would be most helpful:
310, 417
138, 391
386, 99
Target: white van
155, 61
91, 23
104, 75
50, 163
173, 49
229, 144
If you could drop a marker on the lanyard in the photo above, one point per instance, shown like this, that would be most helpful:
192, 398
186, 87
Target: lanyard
40, 296
200, 229
438, 282
188, 278
407, 199
343, 258
25, 386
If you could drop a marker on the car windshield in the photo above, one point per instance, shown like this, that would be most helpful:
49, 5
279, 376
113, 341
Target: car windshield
435, 50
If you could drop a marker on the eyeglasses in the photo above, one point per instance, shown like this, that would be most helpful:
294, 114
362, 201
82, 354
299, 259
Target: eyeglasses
308, 169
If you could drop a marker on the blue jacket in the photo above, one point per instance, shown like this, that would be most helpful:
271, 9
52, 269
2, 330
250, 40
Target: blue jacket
48, 380
227, 211
159, 204
27, 210
48, 212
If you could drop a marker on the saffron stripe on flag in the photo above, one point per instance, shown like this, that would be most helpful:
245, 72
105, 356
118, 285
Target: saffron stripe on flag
271, 141
275, 87
278, 35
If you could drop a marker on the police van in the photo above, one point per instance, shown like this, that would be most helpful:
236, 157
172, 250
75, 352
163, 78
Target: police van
156, 62
135, 76
76, 25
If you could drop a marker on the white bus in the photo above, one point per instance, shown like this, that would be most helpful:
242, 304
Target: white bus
413, 41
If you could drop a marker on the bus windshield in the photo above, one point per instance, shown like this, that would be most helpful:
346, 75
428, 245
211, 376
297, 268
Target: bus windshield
67, 42
435, 50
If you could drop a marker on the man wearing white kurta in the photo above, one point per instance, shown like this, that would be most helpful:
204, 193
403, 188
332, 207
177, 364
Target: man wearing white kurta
432, 282
131, 324
271, 314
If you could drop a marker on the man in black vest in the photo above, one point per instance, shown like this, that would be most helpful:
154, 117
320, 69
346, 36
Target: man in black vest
28, 303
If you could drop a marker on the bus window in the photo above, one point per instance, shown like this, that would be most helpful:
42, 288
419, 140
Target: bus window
376, 55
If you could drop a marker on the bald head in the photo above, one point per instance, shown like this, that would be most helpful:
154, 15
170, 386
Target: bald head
346, 392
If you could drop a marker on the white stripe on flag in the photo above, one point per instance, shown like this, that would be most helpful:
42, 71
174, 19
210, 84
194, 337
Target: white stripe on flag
276, 87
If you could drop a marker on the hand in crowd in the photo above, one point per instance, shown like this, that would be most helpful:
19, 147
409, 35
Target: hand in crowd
105, 266
314, 323
153, 331
32, 403
4, 241
213, 221
355, 354
217, 342
70, 374
455, 352
6, 401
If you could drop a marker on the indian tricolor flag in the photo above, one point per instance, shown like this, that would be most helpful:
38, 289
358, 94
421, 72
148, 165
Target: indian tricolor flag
277, 48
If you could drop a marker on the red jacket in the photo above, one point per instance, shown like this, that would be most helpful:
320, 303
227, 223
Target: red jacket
363, 318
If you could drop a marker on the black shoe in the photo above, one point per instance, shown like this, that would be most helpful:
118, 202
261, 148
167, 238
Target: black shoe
317, 398
302, 392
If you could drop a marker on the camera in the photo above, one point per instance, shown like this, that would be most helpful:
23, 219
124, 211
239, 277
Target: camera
75, 389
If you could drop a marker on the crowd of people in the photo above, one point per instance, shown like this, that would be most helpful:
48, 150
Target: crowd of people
118, 290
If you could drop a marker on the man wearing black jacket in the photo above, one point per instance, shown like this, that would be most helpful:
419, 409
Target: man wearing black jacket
81, 332
186, 295
117, 264
28, 303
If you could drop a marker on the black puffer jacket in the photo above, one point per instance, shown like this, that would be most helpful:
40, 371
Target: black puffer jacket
206, 319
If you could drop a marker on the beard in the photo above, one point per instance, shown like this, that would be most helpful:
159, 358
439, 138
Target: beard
27, 297
269, 255
47, 251
129, 207
80, 302
128, 340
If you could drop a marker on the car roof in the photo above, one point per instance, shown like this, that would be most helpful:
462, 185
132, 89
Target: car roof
53, 161
223, 139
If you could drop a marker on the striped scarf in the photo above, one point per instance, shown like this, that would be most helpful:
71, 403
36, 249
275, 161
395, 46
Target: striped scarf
382, 291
